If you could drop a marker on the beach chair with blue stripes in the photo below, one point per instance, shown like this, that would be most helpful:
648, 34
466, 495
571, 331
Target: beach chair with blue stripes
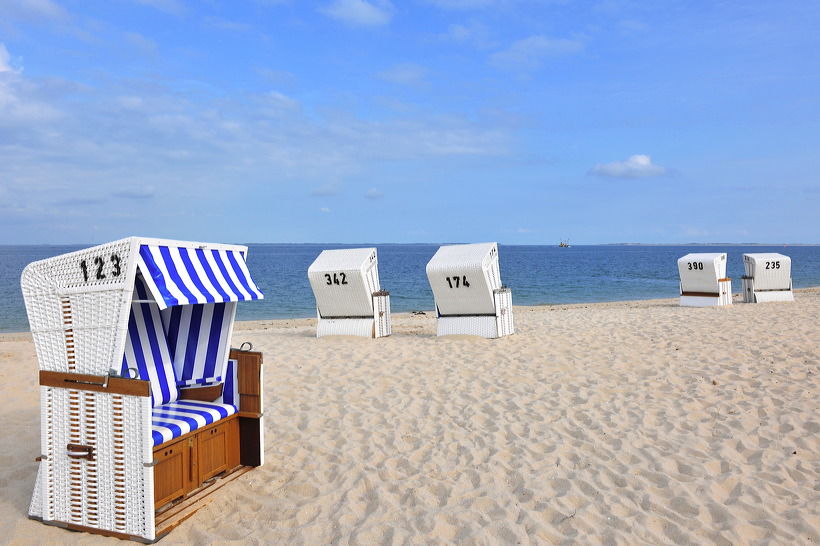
349, 300
768, 278
143, 401
469, 296
703, 280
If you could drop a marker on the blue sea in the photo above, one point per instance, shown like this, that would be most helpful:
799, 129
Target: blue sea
537, 275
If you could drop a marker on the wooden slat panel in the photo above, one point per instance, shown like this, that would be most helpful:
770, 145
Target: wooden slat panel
249, 374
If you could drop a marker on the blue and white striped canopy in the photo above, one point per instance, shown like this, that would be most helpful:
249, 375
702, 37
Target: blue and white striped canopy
183, 276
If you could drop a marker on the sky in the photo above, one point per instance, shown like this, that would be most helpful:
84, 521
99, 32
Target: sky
415, 121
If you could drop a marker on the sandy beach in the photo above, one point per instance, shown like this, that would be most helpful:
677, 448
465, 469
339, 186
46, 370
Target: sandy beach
619, 423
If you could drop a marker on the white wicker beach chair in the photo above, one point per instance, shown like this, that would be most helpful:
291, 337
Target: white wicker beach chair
349, 301
703, 281
768, 278
470, 299
140, 403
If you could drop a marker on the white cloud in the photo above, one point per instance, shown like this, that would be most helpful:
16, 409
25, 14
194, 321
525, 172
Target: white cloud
225, 24
72, 140
631, 26
373, 193
31, 10
360, 12
635, 166
405, 74
463, 4
324, 209
5, 61
130, 102
279, 103
140, 42
168, 6
528, 54
474, 33
21, 109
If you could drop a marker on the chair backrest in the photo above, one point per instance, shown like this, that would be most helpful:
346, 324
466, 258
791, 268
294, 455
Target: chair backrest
146, 348
198, 340
770, 271
343, 282
463, 278
700, 272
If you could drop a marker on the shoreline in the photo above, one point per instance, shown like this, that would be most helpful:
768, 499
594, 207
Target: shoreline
737, 298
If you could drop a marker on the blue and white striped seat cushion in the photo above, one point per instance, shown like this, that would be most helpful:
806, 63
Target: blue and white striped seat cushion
174, 419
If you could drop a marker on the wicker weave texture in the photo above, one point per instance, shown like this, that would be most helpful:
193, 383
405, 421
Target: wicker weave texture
112, 492
504, 313
78, 320
463, 277
483, 326
381, 313
378, 326
343, 282
361, 327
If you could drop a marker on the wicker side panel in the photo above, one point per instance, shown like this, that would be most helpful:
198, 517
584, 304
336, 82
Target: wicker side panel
112, 490
747, 286
504, 312
371, 276
381, 311
493, 271
725, 290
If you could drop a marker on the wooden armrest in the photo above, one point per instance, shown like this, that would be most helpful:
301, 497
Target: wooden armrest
95, 383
